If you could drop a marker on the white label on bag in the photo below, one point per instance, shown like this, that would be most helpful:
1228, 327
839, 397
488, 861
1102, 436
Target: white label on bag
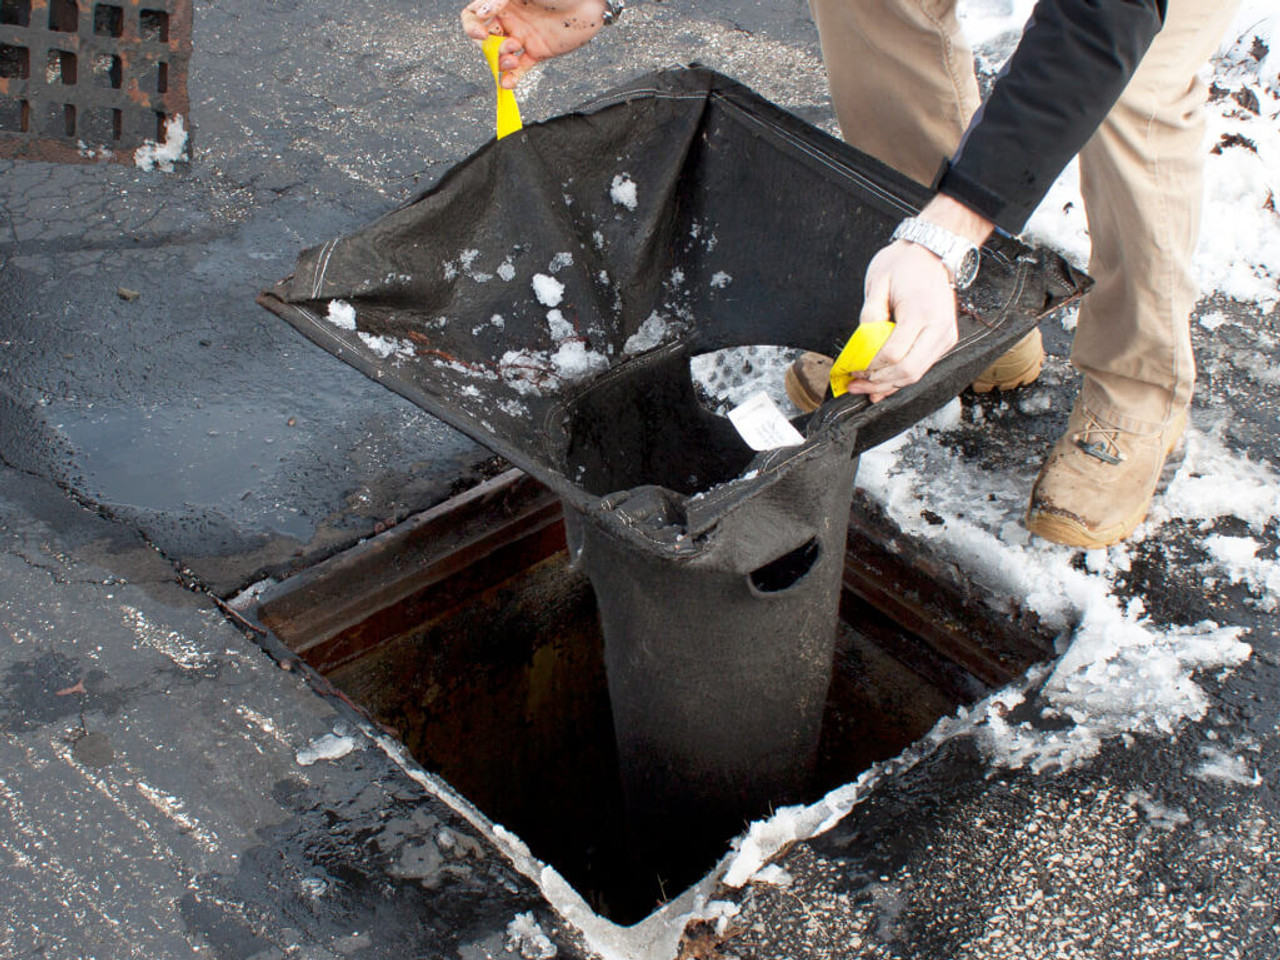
761, 424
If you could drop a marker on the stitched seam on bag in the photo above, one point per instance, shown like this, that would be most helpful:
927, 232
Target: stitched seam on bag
322, 267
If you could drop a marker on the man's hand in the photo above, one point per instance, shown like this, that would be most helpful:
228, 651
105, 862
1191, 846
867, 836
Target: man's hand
909, 285
536, 30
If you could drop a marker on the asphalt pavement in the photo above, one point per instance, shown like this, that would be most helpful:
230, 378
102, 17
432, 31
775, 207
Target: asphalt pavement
170, 788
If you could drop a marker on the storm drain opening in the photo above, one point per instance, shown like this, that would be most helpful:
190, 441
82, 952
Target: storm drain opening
467, 632
87, 82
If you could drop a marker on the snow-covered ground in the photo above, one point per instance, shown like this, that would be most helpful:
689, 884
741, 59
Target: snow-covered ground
1120, 672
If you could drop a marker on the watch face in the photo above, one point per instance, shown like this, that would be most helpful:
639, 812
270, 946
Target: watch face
967, 269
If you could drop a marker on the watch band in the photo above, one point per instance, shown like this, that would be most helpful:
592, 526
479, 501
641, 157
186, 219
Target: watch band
957, 254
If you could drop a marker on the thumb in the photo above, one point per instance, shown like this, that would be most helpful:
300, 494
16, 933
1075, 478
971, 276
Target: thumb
875, 303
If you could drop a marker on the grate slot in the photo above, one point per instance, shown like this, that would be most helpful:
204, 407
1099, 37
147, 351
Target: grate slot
107, 72
13, 116
108, 20
61, 68
15, 62
15, 12
154, 26
64, 16
82, 81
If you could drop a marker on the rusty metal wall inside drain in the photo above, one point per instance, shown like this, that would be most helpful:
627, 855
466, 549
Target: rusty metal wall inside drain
84, 82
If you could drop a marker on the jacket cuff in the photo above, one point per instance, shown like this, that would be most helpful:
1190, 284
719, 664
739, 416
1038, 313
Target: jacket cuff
978, 197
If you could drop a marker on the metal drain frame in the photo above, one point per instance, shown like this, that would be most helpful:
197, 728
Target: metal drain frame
342, 608
90, 82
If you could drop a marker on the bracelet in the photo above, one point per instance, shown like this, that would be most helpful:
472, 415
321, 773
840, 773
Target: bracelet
613, 10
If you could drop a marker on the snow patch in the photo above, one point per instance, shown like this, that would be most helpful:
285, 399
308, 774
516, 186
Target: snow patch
1215, 481
525, 938
467, 260
330, 746
1237, 558
342, 315
652, 333
548, 290
561, 329
1158, 815
623, 191
529, 372
513, 408
182, 650
1217, 764
1036, 403
173, 808
950, 416
773, 875
384, 347
574, 361
162, 156
1120, 675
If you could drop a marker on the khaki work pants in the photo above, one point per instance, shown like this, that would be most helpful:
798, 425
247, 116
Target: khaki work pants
902, 79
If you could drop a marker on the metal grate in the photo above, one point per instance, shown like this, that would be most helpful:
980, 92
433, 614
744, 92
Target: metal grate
85, 82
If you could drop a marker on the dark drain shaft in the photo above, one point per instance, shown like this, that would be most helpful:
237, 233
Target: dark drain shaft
465, 631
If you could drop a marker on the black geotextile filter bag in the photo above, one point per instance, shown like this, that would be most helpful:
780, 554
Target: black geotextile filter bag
546, 297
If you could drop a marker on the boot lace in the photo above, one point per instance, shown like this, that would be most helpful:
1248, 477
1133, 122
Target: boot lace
1099, 441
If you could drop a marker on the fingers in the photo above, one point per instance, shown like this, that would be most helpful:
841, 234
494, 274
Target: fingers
909, 285
512, 57
482, 19
479, 18
512, 76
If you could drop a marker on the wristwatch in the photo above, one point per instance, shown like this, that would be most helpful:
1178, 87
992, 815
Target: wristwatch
957, 254
613, 10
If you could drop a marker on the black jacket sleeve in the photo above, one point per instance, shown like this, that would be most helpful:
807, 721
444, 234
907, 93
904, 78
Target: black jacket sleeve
1071, 65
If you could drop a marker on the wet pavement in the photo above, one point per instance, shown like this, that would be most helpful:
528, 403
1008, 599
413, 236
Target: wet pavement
162, 450
154, 799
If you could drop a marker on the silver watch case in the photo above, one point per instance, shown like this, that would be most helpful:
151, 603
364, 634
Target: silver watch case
613, 10
957, 254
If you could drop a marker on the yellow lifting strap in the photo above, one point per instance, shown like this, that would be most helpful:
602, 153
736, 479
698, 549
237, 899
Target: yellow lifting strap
858, 353
508, 109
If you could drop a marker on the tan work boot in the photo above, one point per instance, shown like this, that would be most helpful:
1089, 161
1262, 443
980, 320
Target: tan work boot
1016, 367
807, 380
1098, 482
